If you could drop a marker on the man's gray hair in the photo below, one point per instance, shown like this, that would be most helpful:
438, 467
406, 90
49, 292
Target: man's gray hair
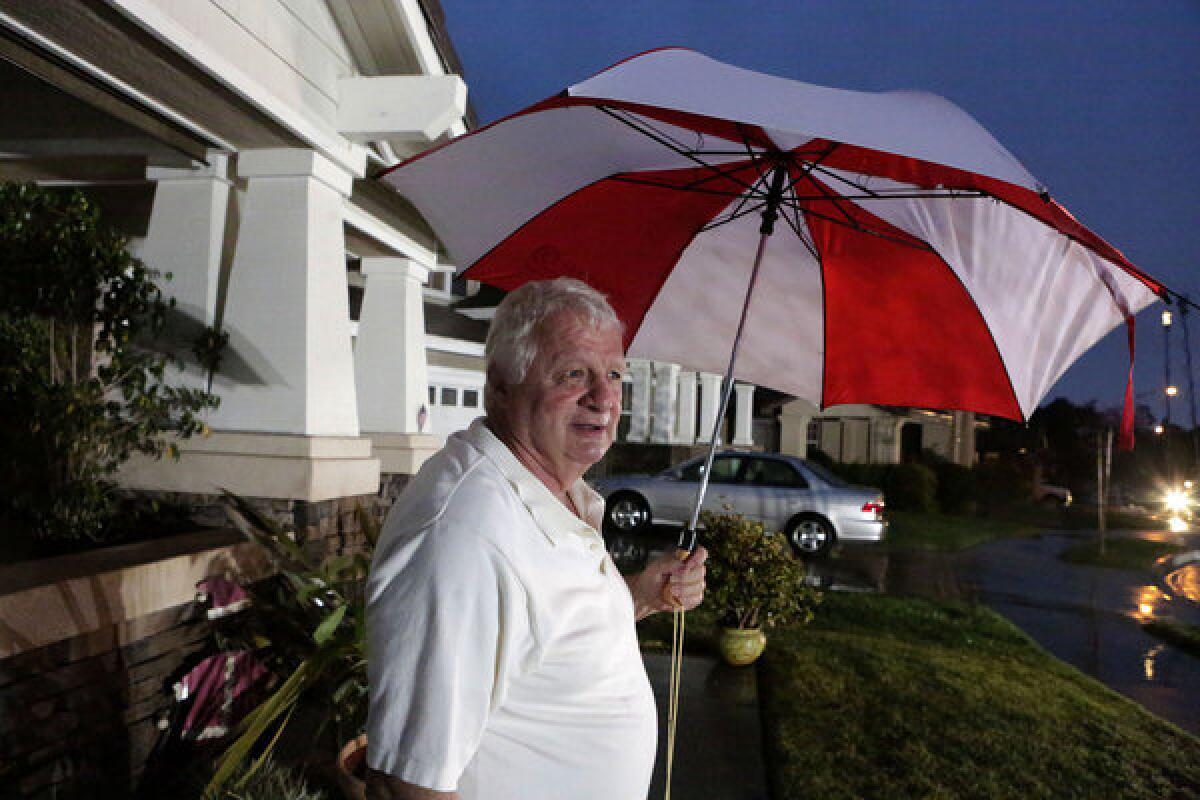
512, 338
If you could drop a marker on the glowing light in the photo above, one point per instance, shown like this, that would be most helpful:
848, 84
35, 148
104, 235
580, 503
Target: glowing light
1149, 659
1166, 318
1158, 429
1176, 500
1177, 525
1146, 609
1172, 391
1188, 484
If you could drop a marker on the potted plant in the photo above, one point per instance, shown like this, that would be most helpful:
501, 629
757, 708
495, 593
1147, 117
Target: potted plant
753, 583
309, 622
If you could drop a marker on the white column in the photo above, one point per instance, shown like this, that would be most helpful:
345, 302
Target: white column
287, 312
666, 386
685, 418
744, 415
389, 356
963, 438
184, 237
710, 404
390, 369
639, 417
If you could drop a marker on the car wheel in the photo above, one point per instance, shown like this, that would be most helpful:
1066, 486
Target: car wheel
810, 535
627, 512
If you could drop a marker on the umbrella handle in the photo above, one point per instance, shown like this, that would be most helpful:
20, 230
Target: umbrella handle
681, 554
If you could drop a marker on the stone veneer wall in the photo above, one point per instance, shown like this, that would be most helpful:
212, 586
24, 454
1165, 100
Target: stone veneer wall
79, 716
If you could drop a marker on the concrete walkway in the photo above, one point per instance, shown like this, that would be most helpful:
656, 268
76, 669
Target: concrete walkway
718, 752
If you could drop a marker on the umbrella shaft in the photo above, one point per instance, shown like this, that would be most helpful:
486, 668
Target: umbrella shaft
687, 538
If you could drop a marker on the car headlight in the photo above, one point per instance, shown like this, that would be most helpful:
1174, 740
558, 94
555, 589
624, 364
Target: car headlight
1176, 500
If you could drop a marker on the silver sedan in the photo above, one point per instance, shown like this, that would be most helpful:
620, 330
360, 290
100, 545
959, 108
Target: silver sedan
807, 502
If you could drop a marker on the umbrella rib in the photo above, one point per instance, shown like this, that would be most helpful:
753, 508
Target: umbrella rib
833, 199
736, 214
745, 198
722, 173
656, 136
674, 186
836, 221
795, 226
847, 181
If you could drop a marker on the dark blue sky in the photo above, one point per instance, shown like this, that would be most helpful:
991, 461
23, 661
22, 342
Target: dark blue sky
1099, 99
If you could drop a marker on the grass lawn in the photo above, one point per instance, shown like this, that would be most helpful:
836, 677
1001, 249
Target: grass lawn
1079, 518
1132, 554
1185, 637
912, 530
896, 698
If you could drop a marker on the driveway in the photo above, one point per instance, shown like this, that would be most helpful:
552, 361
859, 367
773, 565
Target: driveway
1091, 617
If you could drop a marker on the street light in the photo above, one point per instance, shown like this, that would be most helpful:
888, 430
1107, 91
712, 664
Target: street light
1158, 429
1172, 391
1166, 318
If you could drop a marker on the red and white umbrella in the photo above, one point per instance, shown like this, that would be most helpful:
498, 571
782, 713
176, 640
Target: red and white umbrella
920, 264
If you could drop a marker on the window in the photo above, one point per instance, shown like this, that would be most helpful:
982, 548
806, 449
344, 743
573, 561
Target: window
471, 398
824, 474
449, 396
812, 437
433, 395
725, 470
769, 472
626, 408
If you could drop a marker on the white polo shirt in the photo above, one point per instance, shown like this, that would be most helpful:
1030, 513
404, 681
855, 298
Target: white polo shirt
503, 659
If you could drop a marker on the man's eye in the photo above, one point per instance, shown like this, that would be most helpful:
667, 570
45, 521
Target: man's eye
615, 375
574, 374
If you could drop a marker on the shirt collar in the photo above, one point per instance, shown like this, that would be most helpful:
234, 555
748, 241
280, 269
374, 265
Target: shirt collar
547, 511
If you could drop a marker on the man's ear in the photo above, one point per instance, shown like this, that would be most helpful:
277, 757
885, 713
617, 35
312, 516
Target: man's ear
495, 391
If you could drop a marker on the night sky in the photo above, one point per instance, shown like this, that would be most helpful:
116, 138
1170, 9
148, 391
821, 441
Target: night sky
1100, 100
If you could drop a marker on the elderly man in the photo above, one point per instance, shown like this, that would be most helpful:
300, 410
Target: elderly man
504, 663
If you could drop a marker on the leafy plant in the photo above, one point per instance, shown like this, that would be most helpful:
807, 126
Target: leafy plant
310, 623
272, 781
752, 579
79, 390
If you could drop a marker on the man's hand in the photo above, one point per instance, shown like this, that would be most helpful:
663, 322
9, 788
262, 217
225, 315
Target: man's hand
668, 579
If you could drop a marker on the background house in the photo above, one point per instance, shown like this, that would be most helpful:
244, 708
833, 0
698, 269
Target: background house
868, 434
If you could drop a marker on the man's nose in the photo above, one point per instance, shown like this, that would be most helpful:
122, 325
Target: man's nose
603, 393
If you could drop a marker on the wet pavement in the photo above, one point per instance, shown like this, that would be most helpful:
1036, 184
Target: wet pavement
718, 752
1091, 617
718, 749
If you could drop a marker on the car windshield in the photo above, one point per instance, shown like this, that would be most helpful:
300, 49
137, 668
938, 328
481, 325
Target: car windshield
824, 474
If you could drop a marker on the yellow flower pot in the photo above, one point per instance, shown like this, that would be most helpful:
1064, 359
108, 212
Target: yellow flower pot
741, 646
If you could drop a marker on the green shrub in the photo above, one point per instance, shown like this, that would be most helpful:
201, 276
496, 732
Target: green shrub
752, 579
911, 487
79, 390
956, 490
1003, 483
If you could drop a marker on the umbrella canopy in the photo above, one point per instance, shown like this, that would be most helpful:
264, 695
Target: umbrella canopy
918, 263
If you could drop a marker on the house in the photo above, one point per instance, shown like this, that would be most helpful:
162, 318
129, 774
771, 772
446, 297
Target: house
234, 142
876, 434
